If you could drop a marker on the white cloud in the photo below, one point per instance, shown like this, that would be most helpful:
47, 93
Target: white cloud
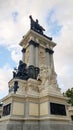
16, 55
5, 76
64, 49
10, 32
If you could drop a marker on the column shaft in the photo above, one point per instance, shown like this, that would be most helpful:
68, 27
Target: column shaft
31, 58
23, 58
47, 59
36, 56
23, 54
52, 62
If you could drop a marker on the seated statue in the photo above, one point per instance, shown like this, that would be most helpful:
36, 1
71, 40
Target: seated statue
35, 26
21, 72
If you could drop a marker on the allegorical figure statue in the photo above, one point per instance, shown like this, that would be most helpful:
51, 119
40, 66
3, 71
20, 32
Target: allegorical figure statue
21, 72
15, 86
44, 77
35, 25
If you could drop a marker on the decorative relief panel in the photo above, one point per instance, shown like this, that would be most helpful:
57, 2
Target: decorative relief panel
42, 56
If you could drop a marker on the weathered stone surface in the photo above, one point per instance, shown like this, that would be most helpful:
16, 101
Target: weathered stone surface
36, 125
53, 125
16, 125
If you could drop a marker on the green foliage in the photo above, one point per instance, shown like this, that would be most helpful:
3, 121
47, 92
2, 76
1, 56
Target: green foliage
69, 94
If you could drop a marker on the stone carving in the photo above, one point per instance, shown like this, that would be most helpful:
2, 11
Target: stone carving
53, 81
44, 77
35, 25
47, 78
33, 85
11, 89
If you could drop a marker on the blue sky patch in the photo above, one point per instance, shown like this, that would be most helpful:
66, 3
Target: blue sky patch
5, 57
54, 25
55, 28
15, 16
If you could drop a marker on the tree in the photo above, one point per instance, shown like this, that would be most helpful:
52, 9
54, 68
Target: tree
69, 94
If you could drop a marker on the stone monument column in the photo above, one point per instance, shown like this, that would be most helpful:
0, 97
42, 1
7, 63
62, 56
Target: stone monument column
51, 59
48, 62
31, 57
31, 69
36, 59
37, 55
23, 54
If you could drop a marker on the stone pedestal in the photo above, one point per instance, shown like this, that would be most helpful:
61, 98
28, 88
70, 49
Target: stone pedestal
34, 113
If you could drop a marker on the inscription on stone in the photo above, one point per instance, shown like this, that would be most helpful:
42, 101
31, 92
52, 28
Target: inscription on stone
72, 117
6, 109
57, 109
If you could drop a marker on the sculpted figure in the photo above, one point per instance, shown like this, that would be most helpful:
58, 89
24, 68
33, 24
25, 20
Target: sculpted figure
21, 72
54, 81
44, 77
15, 86
35, 25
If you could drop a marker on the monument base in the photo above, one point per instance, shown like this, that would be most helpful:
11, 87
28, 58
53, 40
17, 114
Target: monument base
55, 125
29, 109
35, 125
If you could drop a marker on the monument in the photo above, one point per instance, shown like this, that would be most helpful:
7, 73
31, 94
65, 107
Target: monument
34, 101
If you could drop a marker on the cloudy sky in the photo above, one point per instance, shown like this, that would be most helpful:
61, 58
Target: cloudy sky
56, 16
